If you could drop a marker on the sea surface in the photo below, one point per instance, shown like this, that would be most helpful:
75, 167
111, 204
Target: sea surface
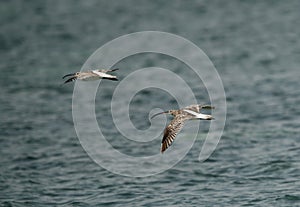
254, 46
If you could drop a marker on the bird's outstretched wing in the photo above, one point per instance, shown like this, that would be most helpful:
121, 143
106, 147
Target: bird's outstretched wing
197, 107
70, 80
104, 75
195, 115
110, 70
171, 131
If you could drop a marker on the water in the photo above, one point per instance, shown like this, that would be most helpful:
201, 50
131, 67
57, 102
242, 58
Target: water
253, 44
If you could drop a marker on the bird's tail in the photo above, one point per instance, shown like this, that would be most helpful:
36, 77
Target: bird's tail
204, 116
114, 78
199, 115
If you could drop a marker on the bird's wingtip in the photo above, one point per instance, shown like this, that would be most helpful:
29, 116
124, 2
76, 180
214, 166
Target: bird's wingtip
115, 69
71, 74
111, 78
208, 107
70, 80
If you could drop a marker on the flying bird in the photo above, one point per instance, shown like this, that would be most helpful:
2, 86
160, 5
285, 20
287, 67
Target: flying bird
191, 112
91, 75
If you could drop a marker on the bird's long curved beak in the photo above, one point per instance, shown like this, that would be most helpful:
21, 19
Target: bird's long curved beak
72, 74
165, 112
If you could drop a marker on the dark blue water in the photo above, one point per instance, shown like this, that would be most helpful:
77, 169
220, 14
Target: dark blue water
255, 47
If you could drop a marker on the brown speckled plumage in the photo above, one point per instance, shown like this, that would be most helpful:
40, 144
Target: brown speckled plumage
180, 116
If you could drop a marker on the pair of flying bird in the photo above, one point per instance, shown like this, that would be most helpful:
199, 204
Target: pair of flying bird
180, 116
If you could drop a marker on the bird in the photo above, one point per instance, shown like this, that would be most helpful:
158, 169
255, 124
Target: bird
191, 112
91, 75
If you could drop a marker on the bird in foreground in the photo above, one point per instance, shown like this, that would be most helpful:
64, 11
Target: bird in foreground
180, 116
91, 75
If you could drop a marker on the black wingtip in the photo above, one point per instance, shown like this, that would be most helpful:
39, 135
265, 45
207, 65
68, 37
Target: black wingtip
163, 148
71, 74
113, 79
70, 80
208, 107
115, 69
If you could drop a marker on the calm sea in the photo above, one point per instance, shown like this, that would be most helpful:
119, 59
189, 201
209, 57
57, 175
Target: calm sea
255, 47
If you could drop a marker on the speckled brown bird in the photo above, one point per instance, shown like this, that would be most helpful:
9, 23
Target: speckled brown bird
180, 116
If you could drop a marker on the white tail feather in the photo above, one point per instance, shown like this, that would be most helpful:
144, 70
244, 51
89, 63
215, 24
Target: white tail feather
103, 75
199, 115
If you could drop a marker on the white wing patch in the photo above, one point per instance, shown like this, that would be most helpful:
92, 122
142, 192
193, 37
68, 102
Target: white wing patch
198, 115
103, 75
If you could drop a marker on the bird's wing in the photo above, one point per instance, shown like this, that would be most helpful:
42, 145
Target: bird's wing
198, 115
109, 70
70, 80
103, 75
207, 107
195, 107
191, 112
171, 131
